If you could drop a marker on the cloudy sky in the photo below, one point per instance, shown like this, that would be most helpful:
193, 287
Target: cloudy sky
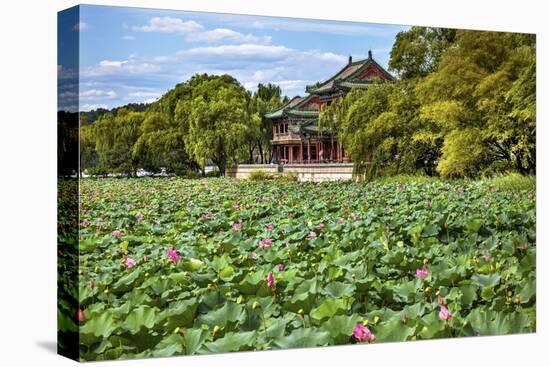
136, 55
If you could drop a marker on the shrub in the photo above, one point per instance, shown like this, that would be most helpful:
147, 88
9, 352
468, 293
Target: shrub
291, 176
403, 179
260, 175
189, 174
511, 182
213, 173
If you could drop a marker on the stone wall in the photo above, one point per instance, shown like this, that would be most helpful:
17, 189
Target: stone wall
306, 172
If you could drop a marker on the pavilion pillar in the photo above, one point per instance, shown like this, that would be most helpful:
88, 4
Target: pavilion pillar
301, 158
308, 150
291, 151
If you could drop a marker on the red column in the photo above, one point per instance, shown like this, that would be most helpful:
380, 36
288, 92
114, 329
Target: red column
291, 148
301, 158
308, 150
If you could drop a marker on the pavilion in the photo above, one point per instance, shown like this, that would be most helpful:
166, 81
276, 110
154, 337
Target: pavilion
296, 136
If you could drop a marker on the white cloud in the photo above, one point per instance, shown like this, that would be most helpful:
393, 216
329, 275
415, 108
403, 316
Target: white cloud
110, 67
225, 34
245, 49
112, 63
329, 56
92, 106
341, 28
144, 94
169, 25
128, 38
97, 93
80, 26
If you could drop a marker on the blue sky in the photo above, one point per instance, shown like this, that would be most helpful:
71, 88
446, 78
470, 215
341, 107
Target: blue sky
136, 55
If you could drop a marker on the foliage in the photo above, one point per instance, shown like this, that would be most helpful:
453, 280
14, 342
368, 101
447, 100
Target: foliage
214, 119
476, 243
266, 98
512, 182
260, 175
465, 106
483, 93
418, 51
115, 136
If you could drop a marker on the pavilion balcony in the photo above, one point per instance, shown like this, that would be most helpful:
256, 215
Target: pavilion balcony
288, 136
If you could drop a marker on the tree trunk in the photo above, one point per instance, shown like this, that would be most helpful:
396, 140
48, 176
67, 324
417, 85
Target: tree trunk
260, 147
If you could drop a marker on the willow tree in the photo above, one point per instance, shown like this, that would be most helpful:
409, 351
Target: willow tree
475, 99
115, 136
214, 119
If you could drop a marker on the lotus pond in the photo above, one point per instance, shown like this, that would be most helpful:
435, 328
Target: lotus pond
171, 266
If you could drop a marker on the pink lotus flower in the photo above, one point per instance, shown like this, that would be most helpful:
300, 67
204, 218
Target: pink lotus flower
203, 216
321, 226
281, 267
270, 227
271, 280
91, 283
444, 314
116, 233
267, 243
237, 226
421, 273
85, 222
80, 315
260, 244
362, 333
254, 255
173, 255
340, 220
129, 262
486, 257
312, 234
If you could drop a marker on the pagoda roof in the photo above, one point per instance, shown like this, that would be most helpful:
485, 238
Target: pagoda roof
359, 74
280, 111
348, 77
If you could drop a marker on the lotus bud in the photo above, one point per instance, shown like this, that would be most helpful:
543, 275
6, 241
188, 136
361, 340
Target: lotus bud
176, 330
376, 319
255, 305
216, 329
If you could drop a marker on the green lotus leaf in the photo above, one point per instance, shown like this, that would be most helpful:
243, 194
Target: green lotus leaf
330, 307
233, 342
230, 312
340, 327
143, 317
339, 289
393, 330
486, 280
304, 338
102, 325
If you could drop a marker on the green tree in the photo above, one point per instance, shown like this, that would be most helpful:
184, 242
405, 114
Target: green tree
473, 91
161, 145
417, 51
214, 119
266, 98
115, 136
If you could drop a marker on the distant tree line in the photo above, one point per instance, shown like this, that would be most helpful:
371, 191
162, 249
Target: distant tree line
208, 119
463, 105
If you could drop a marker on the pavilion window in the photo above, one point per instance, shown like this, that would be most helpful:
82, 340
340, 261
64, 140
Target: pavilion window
313, 149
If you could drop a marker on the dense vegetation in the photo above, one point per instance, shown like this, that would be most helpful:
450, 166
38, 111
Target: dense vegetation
208, 119
464, 106
171, 266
